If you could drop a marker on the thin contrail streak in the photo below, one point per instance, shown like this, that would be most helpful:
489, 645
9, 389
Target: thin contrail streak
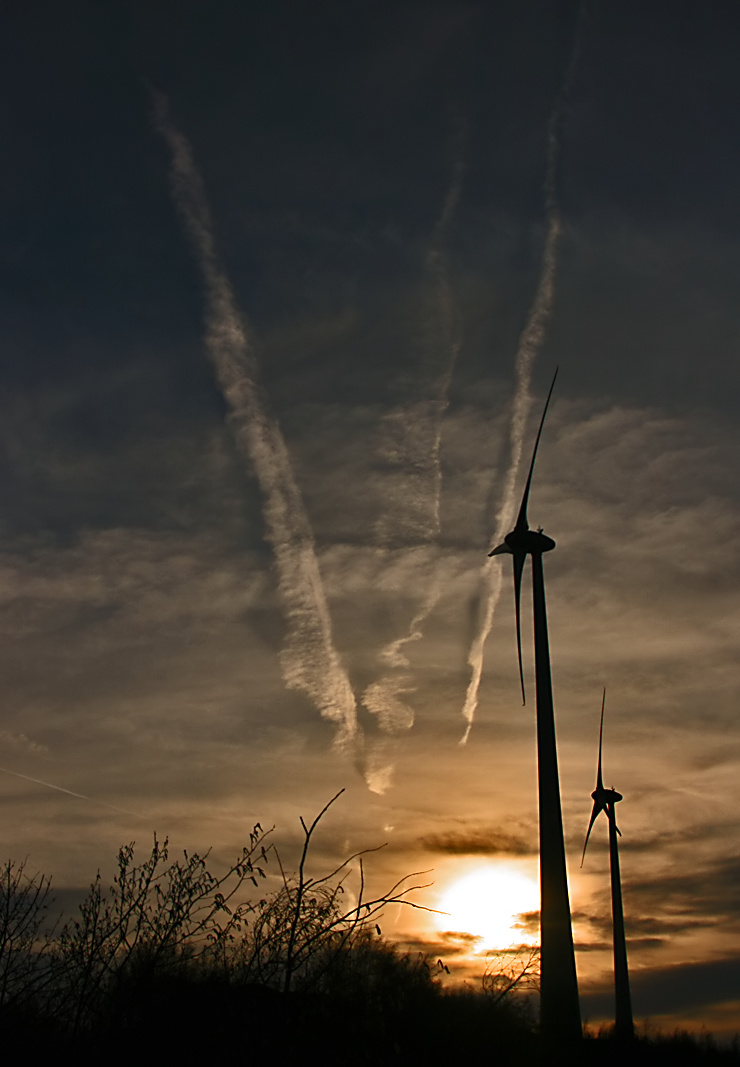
80, 796
310, 662
414, 430
530, 344
415, 433
437, 270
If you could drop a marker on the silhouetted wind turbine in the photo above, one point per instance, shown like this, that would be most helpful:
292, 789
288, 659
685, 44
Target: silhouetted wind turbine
560, 1013
604, 800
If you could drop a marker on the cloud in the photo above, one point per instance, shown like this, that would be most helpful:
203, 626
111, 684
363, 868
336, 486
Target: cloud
20, 743
461, 936
651, 841
708, 891
110, 576
672, 989
451, 944
483, 842
528, 921
641, 929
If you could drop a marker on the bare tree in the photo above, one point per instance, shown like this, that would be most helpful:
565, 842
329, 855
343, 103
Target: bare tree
516, 970
300, 929
24, 938
155, 917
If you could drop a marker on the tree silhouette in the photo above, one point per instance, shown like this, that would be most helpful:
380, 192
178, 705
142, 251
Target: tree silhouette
24, 940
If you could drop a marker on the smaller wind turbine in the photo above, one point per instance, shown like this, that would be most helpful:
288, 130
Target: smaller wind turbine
604, 800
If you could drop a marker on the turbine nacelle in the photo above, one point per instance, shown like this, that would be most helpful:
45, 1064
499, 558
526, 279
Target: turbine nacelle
524, 542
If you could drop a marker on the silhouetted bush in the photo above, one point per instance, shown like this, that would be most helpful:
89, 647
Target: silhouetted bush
156, 919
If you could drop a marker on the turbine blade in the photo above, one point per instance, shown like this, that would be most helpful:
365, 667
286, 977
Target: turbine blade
500, 549
521, 522
597, 808
519, 559
599, 779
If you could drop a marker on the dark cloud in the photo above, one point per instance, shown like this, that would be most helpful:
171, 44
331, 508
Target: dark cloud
672, 989
648, 842
477, 843
459, 936
632, 943
705, 894
641, 928
449, 946
528, 921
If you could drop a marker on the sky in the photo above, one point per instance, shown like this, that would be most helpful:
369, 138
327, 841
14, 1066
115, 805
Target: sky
284, 289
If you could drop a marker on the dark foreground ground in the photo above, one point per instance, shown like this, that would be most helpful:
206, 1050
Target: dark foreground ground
402, 1022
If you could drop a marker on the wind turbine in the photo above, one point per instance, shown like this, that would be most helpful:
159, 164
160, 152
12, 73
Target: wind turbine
560, 1014
604, 800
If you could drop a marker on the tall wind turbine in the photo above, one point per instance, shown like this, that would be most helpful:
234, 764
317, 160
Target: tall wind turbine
560, 1015
604, 800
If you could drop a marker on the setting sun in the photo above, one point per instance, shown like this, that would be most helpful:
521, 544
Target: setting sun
489, 903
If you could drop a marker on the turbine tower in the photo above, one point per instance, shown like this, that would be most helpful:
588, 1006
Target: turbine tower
560, 1015
604, 800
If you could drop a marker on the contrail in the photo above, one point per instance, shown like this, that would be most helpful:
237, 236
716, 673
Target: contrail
80, 796
530, 344
414, 437
414, 430
310, 662
437, 270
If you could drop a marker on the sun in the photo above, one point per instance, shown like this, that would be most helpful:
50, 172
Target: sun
488, 903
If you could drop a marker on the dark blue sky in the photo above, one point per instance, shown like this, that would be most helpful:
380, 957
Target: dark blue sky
325, 134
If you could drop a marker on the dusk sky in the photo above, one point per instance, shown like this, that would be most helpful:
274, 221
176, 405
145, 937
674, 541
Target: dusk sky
284, 288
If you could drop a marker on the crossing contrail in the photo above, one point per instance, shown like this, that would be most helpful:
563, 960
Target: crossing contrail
80, 796
310, 662
413, 442
529, 346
